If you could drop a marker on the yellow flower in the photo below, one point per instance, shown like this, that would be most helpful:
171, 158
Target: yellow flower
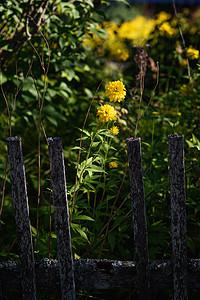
166, 29
116, 91
137, 30
106, 113
186, 11
193, 30
183, 62
115, 46
162, 16
114, 130
192, 53
121, 53
113, 164
186, 90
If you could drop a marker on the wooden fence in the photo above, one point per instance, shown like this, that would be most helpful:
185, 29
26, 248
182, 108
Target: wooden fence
68, 275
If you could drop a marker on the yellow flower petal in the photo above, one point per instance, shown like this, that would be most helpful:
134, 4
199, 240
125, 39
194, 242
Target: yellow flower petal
113, 165
114, 130
116, 91
106, 113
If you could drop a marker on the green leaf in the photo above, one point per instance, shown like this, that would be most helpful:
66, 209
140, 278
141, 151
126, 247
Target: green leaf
95, 144
3, 78
34, 231
5, 45
95, 168
85, 131
82, 217
77, 228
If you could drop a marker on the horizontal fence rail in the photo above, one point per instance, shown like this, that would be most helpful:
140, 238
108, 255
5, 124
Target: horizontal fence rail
67, 275
99, 274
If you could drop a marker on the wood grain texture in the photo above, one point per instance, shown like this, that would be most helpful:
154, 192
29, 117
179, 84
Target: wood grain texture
62, 219
178, 215
21, 208
98, 274
139, 216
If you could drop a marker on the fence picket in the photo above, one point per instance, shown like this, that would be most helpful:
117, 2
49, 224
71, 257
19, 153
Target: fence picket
178, 215
62, 219
20, 203
139, 217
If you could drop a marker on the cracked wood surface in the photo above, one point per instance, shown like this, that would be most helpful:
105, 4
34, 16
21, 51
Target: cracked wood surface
62, 219
139, 216
178, 214
21, 208
98, 274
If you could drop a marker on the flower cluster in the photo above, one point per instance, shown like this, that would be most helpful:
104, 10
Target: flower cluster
162, 17
116, 91
137, 30
192, 53
186, 90
166, 29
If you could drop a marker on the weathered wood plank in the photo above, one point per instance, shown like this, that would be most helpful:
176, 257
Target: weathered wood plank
178, 214
139, 217
21, 208
98, 274
62, 219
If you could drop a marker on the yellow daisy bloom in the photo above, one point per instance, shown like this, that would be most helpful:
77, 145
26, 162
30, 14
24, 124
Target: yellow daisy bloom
114, 130
116, 91
113, 165
192, 53
106, 113
162, 17
166, 28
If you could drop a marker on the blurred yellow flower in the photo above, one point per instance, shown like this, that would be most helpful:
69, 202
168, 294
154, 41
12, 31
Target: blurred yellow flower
161, 17
155, 113
192, 53
186, 11
193, 30
186, 90
111, 28
166, 29
113, 164
183, 62
114, 130
116, 91
116, 47
123, 54
106, 113
137, 30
